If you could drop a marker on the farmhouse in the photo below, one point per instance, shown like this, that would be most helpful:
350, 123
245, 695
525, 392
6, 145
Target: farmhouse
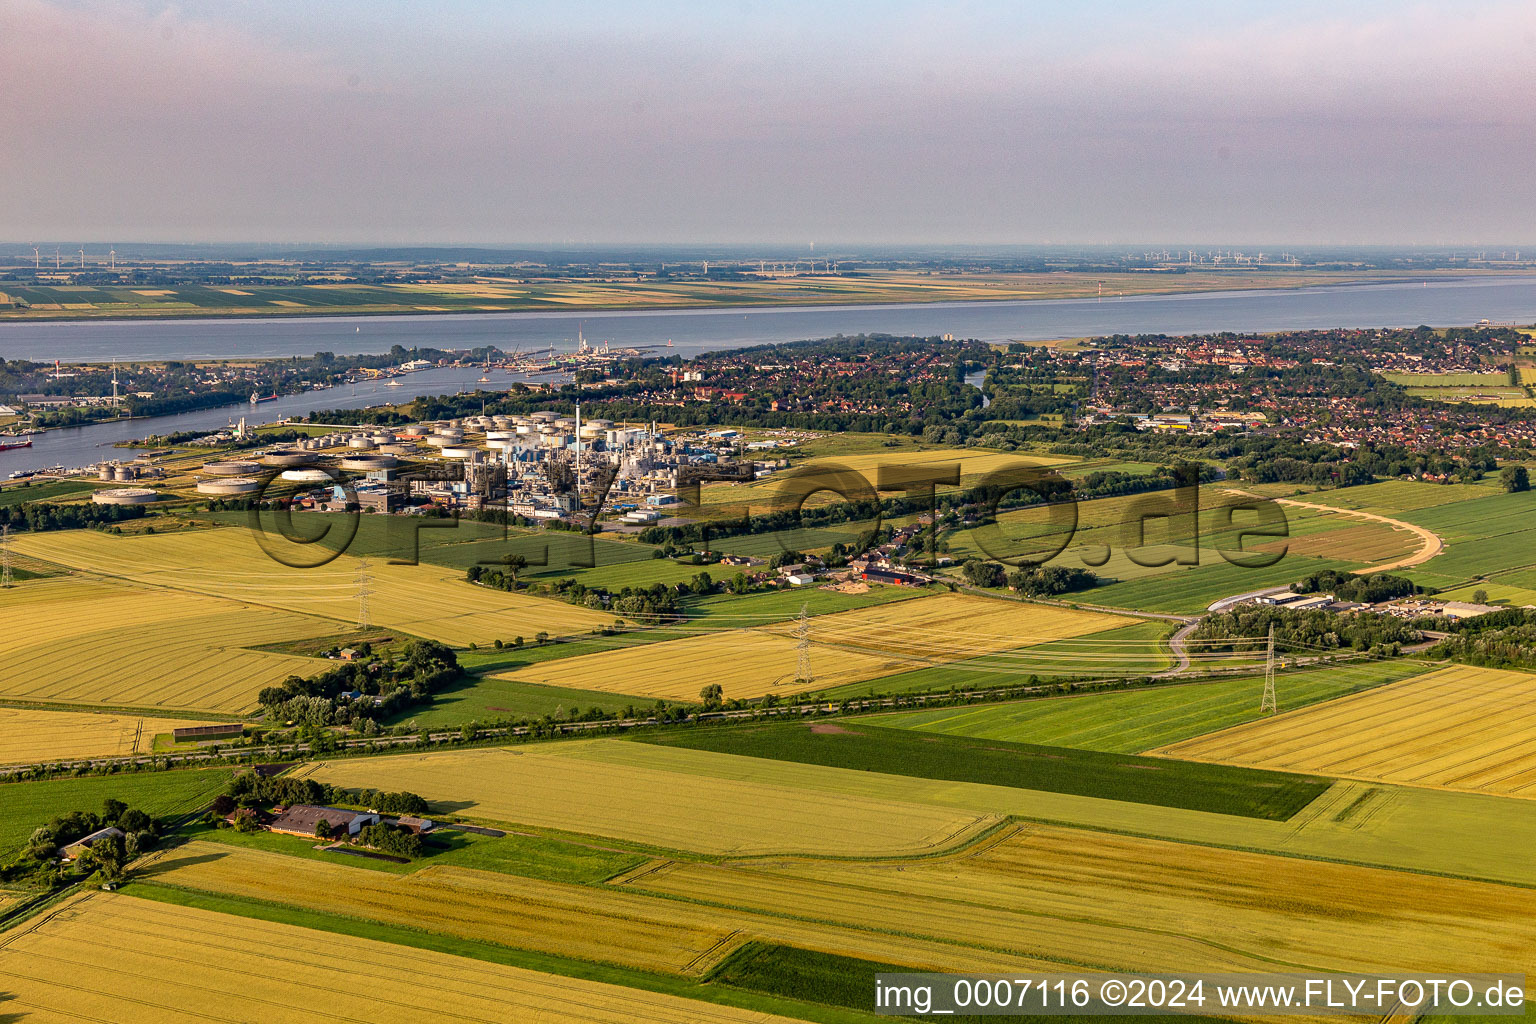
79, 846
301, 819
894, 576
420, 826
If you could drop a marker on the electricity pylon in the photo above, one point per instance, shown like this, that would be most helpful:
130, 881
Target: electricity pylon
5, 557
362, 593
803, 644
1268, 706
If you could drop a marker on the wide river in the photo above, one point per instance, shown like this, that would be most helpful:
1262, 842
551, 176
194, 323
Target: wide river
1437, 302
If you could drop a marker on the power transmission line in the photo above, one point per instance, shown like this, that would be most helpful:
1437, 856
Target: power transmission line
1267, 704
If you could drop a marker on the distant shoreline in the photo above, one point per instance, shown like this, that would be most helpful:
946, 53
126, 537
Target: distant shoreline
745, 303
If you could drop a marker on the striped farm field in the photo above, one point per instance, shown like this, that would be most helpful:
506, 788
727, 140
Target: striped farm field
647, 793
424, 600
1462, 728
595, 923
28, 736
111, 957
1131, 721
558, 787
100, 641
583, 922
746, 663
846, 647
1133, 904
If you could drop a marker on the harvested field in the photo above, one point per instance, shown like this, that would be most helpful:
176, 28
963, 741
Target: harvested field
555, 787
846, 647
593, 923
424, 600
1463, 728
107, 642
1125, 903
577, 921
111, 957
28, 736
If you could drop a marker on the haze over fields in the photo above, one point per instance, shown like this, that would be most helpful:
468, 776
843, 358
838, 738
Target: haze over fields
790, 123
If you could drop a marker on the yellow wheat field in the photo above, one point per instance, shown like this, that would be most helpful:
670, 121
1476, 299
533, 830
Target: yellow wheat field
568, 920
846, 647
28, 736
1124, 903
1460, 728
596, 923
865, 470
102, 641
556, 787
424, 600
111, 957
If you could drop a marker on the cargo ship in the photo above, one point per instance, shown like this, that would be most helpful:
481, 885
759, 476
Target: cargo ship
7, 443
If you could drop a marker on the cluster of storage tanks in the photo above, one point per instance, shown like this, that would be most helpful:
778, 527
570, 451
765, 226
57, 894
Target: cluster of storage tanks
298, 465
117, 471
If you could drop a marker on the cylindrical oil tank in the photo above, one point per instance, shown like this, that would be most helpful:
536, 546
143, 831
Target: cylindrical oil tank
286, 457
231, 468
125, 496
369, 463
306, 476
229, 485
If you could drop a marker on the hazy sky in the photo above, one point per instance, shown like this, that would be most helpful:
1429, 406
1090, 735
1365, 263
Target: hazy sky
518, 122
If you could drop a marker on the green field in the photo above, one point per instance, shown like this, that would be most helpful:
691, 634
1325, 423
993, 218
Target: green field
1130, 721
54, 490
1188, 590
457, 544
485, 699
863, 747
30, 804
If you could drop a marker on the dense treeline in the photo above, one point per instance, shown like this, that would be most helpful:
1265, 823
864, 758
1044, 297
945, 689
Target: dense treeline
383, 688
107, 855
1304, 632
1501, 639
40, 516
1345, 586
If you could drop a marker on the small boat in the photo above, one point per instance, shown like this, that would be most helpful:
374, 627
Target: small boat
394, 384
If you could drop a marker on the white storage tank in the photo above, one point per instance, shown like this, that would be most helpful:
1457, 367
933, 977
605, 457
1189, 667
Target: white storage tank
229, 485
306, 476
125, 496
234, 467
